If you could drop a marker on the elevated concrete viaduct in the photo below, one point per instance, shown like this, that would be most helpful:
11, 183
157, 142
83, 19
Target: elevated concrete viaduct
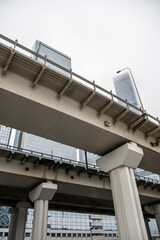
78, 189
36, 99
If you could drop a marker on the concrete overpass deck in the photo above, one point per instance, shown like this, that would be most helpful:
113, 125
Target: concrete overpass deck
79, 189
36, 99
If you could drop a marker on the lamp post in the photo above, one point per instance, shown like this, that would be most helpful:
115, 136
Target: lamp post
134, 85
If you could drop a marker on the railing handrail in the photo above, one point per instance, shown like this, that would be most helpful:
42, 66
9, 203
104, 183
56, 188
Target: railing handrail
43, 155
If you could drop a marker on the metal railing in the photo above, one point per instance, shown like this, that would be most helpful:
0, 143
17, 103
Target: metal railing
67, 160
82, 80
41, 155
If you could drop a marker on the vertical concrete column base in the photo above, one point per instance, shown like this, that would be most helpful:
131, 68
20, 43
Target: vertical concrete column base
12, 226
39, 230
127, 205
18, 221
147, 228
41, 196
120, 163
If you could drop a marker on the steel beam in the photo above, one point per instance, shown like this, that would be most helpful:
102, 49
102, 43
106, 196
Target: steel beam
56, 166
62, 92
69, 168
9, 58
36, 163
105, 108
152, 131
121, 115
135, 123
66, 87
8, 62
89, 98
10, 157
39, 76
24, 160
51, 165
141, 124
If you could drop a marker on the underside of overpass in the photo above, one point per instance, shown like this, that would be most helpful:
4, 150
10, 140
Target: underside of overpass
79, 190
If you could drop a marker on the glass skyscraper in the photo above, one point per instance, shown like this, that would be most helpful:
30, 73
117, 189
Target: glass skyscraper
125, 88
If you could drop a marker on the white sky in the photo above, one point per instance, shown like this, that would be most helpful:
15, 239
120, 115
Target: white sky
100, 36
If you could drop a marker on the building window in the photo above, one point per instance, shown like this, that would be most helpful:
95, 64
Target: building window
27, 234
48, 234
53, 234
79, 235
58, 235
1, 234
69, 234
63, 234
6, 234
74, 234
84, 235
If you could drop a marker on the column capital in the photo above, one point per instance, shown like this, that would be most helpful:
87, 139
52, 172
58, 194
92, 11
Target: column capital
128, 155
44, 191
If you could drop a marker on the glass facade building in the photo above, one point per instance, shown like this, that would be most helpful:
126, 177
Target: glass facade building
125, 88
5, 133
43, 145
72, 221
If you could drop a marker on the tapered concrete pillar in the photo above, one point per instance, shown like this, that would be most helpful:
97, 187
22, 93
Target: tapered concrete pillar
18, 221
155, 210
120, 163
41, 196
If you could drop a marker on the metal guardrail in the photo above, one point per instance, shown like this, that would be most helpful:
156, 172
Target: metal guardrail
67, 160
47, 156
98, 89
146, 179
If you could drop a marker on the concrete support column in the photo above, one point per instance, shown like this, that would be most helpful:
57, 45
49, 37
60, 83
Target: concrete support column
155, 210
147, 228
12, 226
120, 163
41, 196
18, 221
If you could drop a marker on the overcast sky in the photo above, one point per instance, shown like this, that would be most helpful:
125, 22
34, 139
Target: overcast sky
100, 36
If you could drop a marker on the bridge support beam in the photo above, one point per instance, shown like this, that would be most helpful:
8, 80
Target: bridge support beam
155, 210
18, 221
120, 163
41, 196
